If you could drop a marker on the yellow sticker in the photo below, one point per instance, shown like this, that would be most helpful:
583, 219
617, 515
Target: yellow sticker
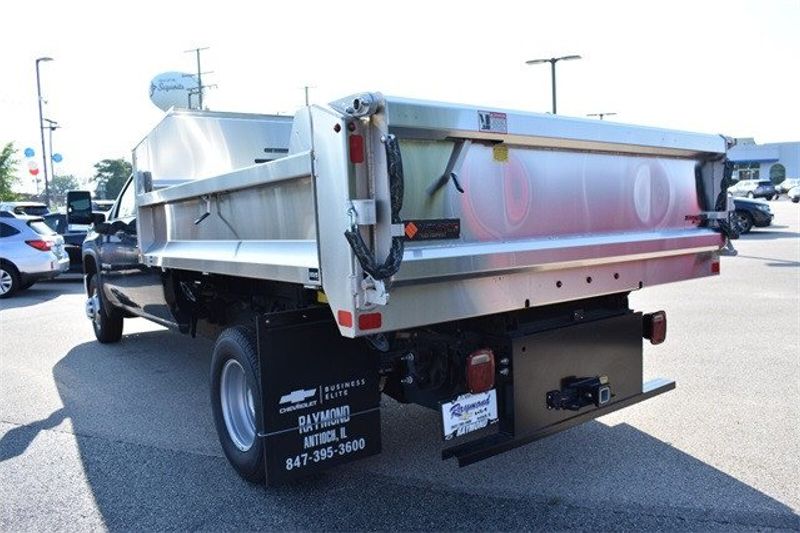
500, 153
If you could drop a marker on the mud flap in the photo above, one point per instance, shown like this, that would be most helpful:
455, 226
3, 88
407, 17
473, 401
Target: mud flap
320, 397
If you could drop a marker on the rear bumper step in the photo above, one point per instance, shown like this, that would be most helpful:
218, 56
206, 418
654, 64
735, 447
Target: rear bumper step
478, 450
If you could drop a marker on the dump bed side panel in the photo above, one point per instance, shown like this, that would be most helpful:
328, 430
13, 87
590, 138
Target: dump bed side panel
220, 193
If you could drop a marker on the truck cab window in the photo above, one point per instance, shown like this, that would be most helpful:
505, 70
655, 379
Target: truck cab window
127, 202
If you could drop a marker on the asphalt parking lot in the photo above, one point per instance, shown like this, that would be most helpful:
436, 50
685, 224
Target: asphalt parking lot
121, 437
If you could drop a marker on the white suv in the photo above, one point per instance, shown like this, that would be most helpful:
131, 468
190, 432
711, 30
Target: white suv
29, 251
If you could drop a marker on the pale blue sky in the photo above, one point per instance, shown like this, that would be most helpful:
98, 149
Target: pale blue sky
719, 67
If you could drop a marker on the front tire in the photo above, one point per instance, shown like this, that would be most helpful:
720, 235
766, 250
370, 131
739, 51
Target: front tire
236, 401
107, 320
9, 280
744, 221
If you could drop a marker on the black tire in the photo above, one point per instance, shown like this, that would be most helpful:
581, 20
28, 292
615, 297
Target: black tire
9, 278
795, 200
745, 221
237, 345
108, 320
751, 195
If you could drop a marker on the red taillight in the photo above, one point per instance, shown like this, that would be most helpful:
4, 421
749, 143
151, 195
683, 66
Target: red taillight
715, 267
480, 371
655, 327
370, 321
40, 245
345, 318
356, 149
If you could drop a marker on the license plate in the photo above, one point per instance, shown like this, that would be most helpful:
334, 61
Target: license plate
468, 413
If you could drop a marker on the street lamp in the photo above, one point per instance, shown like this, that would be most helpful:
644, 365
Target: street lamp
601, 115
41, 129
52, 125
552, 61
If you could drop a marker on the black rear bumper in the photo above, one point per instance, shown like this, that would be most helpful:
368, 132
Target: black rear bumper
572, 362
481, 449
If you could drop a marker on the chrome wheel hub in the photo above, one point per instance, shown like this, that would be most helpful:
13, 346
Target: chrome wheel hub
93, 307
238, 407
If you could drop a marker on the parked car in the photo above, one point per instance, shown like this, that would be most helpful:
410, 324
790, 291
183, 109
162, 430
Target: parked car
753, 189
36, 209
794, 194
751, 213
73, 234
102, 205
786, 185
29, 251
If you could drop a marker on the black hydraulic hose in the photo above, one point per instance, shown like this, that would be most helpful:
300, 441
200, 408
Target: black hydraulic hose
394, 167
727, 227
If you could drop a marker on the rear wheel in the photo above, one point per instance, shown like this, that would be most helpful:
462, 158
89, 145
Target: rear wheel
744, 221
9, 280
236, 401
106, 319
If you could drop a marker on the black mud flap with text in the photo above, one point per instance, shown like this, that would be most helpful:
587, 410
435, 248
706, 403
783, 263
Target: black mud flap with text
320, 396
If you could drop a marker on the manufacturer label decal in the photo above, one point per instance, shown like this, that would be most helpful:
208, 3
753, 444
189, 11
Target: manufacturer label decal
492, 121
297, 400
468, 413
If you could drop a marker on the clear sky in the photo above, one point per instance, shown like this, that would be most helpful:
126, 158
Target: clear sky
729, 67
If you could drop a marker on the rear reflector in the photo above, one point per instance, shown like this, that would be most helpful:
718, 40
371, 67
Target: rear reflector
480, 371
655, 327
40, 245
345, 319
370, 321
715, 267
356, 149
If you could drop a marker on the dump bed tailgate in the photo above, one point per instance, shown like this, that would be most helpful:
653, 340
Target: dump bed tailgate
503, 210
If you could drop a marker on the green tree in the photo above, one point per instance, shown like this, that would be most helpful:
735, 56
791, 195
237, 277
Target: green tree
110, 176
59, 186
8, 172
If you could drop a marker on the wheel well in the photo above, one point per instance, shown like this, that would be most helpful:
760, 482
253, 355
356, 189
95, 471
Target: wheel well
7, 263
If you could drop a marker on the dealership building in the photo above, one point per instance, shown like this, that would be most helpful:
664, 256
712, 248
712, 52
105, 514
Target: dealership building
776, 161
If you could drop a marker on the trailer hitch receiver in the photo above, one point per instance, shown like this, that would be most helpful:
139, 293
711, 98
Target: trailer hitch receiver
577, 393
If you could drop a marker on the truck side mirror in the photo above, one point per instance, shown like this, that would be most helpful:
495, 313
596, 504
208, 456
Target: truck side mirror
79, 207
102, 227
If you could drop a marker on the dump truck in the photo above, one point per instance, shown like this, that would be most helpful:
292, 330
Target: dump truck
471, 260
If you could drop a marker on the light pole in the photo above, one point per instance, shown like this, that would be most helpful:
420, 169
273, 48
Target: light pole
41, 130
601, 115
552, 61
51, 125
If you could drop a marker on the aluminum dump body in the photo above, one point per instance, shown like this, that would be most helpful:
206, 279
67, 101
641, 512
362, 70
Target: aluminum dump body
500, 209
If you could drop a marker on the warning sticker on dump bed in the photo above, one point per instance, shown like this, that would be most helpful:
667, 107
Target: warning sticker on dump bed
492, 121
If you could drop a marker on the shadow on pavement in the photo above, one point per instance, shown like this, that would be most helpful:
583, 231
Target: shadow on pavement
41, 291
16, 440
759, 234
143, 425
773, 261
